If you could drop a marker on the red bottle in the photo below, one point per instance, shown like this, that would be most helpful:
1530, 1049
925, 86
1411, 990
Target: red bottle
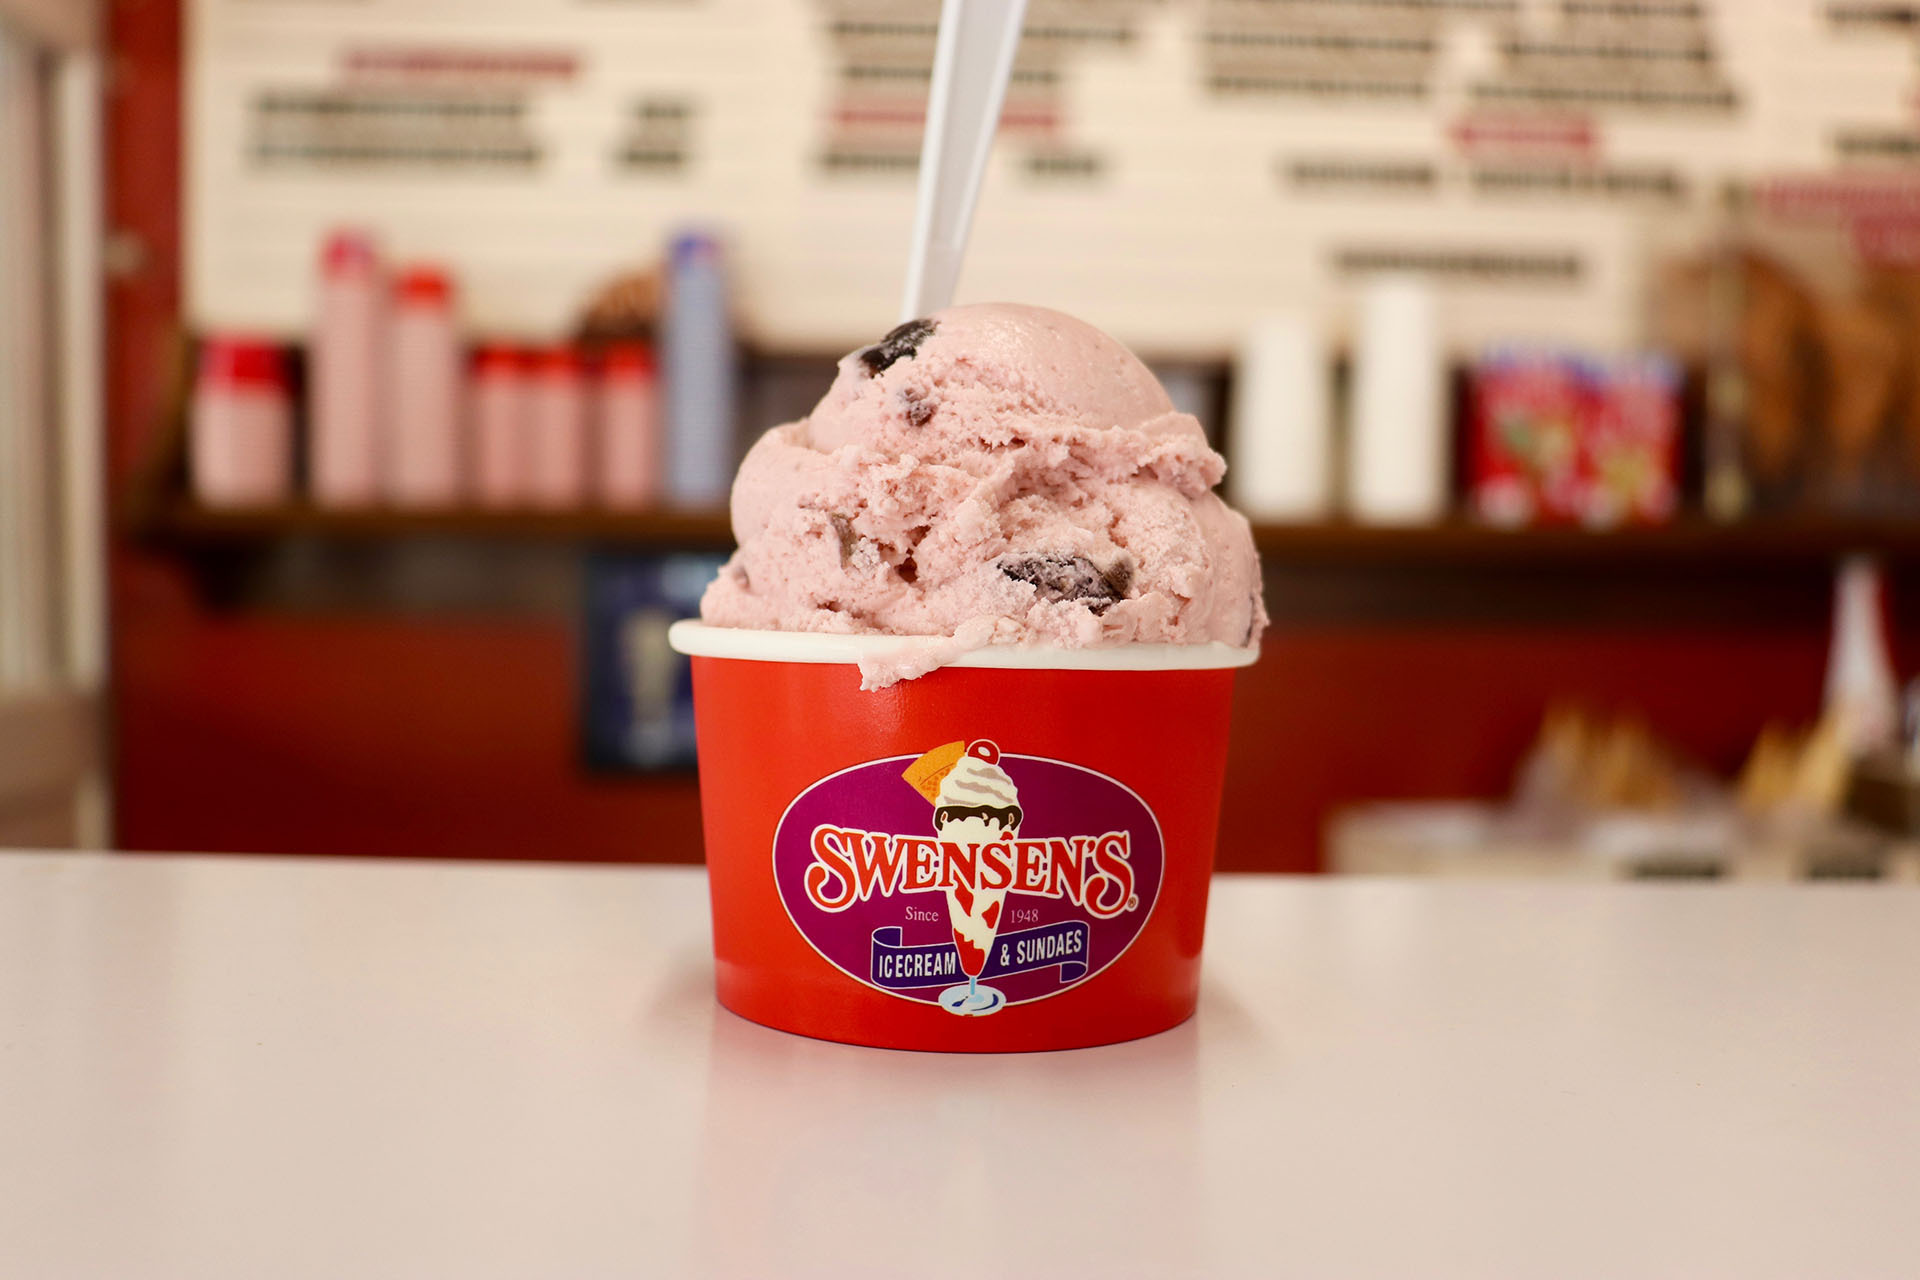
424, 383
240, 428
345, 423
629, 470
557, 456
497, 394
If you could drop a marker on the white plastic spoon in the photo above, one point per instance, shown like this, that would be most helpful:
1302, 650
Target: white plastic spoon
971, 62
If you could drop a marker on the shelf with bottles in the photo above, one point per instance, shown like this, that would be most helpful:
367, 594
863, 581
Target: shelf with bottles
501, 427
164, 511
1686, 545
386, 397
1537, 447
617, 489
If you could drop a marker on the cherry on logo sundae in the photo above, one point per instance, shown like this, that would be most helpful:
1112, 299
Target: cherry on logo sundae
967, 877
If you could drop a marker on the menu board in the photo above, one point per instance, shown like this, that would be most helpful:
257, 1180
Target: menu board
1170, 170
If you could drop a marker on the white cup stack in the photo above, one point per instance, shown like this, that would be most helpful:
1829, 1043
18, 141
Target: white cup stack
1280, 425
1397, 456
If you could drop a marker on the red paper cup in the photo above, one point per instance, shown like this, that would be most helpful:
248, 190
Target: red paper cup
1010, 853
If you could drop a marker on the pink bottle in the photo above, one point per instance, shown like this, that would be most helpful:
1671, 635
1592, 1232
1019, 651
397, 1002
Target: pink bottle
629, 471
344, 425
557, 458
423, 383
240, 428
497, 396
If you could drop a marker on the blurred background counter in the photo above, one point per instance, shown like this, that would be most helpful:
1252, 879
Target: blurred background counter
1563, 355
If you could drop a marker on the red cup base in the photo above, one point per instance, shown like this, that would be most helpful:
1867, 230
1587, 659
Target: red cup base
825, 863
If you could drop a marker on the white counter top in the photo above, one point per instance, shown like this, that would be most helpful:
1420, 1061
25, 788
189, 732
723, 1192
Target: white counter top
248, 1068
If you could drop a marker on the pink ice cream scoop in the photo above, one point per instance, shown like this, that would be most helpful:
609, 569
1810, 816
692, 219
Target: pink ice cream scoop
992, 474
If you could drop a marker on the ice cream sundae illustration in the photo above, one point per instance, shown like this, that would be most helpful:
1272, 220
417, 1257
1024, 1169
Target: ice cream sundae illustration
975, 804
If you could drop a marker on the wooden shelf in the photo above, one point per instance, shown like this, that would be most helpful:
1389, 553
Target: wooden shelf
185, 526
1686, 544
1690, 543
1762, 574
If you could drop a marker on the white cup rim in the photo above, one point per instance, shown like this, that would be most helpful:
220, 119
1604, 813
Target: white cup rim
700, 640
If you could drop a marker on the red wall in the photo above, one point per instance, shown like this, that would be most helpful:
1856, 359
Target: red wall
1335, 715
367, 736
254, 732
370, 735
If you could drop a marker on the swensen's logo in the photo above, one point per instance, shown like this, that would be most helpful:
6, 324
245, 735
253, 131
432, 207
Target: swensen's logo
1028, 876
850, 865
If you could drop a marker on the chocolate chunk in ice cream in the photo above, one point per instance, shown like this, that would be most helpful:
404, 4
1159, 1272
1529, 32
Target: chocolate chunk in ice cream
899, 344
849, 540
919, 409
1064, 577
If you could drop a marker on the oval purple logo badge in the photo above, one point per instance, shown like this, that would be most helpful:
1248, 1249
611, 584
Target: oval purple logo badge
968, 878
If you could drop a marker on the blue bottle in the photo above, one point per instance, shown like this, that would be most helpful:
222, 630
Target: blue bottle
699, 374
